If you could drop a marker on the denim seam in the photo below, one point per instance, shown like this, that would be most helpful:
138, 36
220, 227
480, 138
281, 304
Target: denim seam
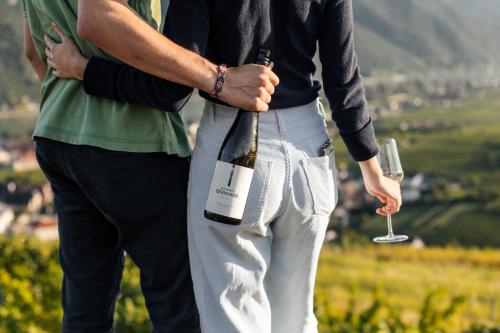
287, 198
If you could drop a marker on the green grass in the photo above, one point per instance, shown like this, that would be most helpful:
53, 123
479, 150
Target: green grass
34, 177
468, 224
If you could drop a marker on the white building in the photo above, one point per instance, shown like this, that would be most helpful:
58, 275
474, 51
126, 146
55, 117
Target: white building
5, 158
45, 227
6, 218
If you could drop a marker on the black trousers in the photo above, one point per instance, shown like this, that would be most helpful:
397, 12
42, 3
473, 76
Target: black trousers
109, 203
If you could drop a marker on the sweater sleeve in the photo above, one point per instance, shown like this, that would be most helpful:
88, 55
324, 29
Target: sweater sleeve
342, 80
187, 24
123, 83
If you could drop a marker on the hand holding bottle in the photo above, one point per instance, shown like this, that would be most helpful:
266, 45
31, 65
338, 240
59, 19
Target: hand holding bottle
249, 87
235, 165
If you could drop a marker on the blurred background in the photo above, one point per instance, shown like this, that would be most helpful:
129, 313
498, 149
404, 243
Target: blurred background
432, 75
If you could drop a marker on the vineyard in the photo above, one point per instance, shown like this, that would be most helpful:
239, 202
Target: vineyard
460, 146
401, 289
359, 289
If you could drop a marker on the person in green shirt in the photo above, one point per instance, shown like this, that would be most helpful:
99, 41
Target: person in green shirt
119, 171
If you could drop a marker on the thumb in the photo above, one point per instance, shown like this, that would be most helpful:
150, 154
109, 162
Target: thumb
59, 31
382, 199
49, 42
262, 106
273, 77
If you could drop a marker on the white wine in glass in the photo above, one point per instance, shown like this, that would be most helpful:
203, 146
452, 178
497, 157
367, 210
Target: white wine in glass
391, 167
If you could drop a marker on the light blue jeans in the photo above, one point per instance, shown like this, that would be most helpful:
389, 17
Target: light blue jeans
258, 277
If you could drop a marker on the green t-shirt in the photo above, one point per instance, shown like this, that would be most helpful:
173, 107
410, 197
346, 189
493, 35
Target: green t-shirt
69, 115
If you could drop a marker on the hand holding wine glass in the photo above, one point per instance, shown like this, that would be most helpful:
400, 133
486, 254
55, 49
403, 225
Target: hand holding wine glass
384, 189
390, 164
383, 183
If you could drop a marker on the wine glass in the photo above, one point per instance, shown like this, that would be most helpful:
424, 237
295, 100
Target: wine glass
391, 167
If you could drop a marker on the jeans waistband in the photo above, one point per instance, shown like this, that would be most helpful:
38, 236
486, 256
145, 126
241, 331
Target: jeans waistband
292, 124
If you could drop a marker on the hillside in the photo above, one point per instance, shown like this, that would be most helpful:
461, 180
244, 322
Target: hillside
420, 34
16, 78
488, 10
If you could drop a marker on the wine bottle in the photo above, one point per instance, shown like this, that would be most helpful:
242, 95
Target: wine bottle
235, 165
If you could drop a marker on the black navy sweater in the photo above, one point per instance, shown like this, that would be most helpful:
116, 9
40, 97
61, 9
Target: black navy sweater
232, 32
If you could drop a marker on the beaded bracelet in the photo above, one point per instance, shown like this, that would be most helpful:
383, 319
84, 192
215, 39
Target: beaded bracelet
219, 81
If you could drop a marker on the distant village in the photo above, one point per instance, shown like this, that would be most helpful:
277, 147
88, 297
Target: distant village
27, 209
402, 94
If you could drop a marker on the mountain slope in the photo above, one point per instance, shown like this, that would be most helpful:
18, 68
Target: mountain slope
423, 33
16, 78
487, 10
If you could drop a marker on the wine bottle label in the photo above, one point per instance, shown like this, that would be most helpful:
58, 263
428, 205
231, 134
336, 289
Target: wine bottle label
229, 190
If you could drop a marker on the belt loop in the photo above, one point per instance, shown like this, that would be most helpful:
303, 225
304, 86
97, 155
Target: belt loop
281, 122
321, 109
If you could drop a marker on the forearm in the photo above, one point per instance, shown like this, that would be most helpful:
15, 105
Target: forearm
100, 22
39, 67
371, 168
32, 54
123, 83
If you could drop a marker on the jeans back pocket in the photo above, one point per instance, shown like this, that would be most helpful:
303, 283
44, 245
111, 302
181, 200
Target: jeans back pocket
320, 174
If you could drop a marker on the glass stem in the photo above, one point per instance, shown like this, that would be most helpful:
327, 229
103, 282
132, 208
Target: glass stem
390, 233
